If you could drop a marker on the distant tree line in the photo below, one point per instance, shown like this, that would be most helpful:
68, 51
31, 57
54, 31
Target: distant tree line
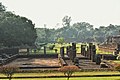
78, 32
16, 30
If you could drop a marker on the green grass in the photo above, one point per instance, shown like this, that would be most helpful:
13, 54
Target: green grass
61, 74
72, 78
77, 78
57, 46
102, 52
116, 61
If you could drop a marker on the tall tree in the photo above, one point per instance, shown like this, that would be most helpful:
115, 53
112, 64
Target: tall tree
66, 21
2, 7
16, 30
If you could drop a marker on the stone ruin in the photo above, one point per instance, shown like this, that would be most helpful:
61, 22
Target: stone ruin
88, 59
88, 56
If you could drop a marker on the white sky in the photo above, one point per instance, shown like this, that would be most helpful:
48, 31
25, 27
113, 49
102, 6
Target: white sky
51, 12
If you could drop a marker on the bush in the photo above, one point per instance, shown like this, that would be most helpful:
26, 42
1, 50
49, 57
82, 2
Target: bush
8, 71
117, 67
68, 70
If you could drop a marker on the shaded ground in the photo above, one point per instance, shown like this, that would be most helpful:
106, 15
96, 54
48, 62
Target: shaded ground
84, 63
52, 63
88, 64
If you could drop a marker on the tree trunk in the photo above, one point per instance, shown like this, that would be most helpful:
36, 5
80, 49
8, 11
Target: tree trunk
68, 78
10, 77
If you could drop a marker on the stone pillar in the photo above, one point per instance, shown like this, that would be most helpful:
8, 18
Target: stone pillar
62, 52
93, 53
118, 49
74, 50
28, 51
70, 52
67, 49
87, 52
44, 50
90, 50
98, 59
83, 50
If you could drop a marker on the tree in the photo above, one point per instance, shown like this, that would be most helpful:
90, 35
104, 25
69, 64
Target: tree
45, 35
84, 31
60, 40
66, 21
2, 7
16, 30
100, 34
68, 70
9, 71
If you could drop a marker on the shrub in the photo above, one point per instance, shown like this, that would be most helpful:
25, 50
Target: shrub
68, 70
8, 71
117, 67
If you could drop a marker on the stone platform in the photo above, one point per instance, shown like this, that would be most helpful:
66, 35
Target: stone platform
84, 63
36, 63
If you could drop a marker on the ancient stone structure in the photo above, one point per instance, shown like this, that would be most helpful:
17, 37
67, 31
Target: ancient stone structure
93, 53
97, 59
90, 50
71, 51
62, 52
112, 44
67, 49
74, 50
83, 50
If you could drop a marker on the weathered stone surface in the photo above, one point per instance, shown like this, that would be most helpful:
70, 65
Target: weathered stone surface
62, 52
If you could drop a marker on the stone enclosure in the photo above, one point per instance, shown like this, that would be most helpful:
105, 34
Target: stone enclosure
87, 59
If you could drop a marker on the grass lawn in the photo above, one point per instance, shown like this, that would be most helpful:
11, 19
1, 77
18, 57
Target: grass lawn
57, 46
102, 52
78, 48
61, 74
116, 61
77, 78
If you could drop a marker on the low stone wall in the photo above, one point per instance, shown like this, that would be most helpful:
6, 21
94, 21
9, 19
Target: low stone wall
39, 56
7, 60
108, 57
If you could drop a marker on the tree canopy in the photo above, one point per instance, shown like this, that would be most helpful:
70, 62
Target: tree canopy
15, 30
84, 32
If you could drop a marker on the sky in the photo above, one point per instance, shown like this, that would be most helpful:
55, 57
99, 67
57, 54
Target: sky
51, 12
